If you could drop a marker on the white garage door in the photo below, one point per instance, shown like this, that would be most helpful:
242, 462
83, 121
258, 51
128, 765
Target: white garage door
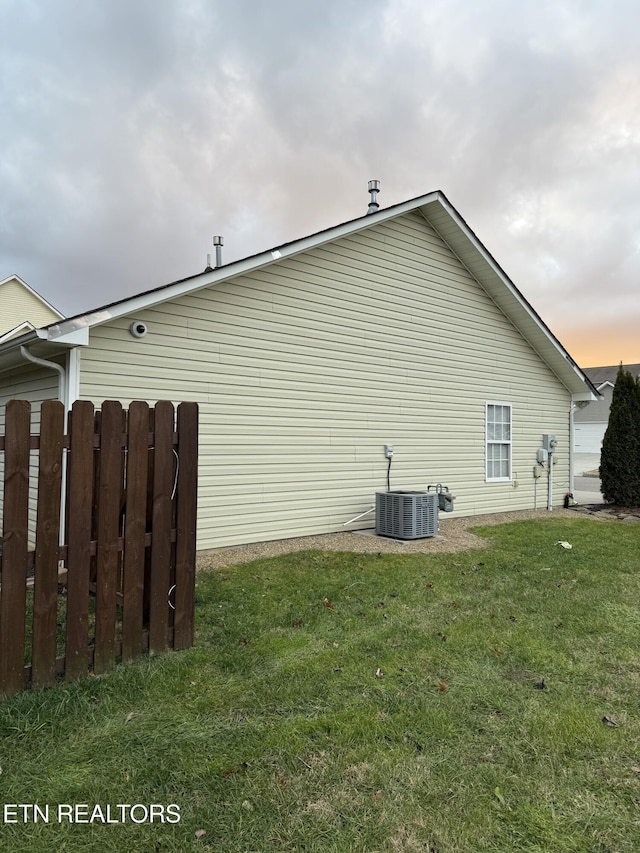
588, 437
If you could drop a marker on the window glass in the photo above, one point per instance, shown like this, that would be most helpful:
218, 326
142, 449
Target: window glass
498, 433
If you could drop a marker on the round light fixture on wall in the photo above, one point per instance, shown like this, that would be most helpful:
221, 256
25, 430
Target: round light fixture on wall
138, 329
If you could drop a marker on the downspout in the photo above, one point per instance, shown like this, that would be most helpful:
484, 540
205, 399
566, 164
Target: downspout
572, 448
63, 389
72, 390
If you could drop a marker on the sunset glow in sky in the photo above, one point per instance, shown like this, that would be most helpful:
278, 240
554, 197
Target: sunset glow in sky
135, 130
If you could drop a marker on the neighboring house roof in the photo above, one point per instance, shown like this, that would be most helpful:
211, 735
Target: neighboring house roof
22, 307
601, 376
20, 329
437, 211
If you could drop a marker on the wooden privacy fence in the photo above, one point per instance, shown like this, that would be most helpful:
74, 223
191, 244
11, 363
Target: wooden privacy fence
123, 581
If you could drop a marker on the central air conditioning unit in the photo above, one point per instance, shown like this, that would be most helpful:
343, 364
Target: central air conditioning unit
406, 515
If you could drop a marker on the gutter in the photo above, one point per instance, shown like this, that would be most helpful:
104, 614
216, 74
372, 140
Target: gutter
50, 365
46, 335
68, 377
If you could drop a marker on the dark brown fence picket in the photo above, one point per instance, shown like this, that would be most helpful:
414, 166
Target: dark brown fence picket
107, 531
14, 545
45, 598
79, 517
130, 480
185, 577
135, 529
163, 478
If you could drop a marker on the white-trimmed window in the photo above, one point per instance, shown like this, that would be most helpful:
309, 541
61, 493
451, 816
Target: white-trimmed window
498, 433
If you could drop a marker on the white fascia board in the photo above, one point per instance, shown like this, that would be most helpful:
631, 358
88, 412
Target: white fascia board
70, 338
506, 285
77, 324
504, 280
583, 395
237, 268
502, 285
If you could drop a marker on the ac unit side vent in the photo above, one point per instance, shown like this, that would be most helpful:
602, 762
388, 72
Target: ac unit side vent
406, 515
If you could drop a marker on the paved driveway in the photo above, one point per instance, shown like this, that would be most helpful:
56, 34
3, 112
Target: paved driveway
585, 462
586, 490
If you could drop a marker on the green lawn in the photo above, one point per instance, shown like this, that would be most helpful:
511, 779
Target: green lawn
483, 701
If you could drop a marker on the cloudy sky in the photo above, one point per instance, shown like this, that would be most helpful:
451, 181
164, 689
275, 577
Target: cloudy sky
135, 130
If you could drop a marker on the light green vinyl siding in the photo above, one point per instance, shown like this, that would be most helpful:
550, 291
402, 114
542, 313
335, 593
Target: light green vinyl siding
306, 368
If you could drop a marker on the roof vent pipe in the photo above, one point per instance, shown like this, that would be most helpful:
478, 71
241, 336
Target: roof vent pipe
218, 242
374, 189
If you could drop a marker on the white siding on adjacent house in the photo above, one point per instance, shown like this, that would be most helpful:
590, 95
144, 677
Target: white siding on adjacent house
590, 422
306, 368
588, 437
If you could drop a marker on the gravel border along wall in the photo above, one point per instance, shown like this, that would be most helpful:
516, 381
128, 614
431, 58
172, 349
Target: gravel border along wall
454, 535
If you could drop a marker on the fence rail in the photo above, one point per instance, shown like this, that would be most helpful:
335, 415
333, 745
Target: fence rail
121, 580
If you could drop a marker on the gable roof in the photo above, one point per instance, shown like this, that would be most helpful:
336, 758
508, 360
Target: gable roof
601, 376
32, 292
436, 210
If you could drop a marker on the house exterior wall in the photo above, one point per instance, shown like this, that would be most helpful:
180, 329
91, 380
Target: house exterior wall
306, 368
18, 304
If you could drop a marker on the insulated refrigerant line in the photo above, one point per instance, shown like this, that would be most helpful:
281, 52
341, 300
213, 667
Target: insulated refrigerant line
362, 515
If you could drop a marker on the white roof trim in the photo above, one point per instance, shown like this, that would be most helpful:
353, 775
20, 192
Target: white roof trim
24, 326
506, 284
71, 338
439, 212
241, 267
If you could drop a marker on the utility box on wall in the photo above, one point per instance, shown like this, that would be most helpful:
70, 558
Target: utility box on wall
406, 515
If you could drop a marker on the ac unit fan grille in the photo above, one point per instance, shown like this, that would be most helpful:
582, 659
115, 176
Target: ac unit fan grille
406, 515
